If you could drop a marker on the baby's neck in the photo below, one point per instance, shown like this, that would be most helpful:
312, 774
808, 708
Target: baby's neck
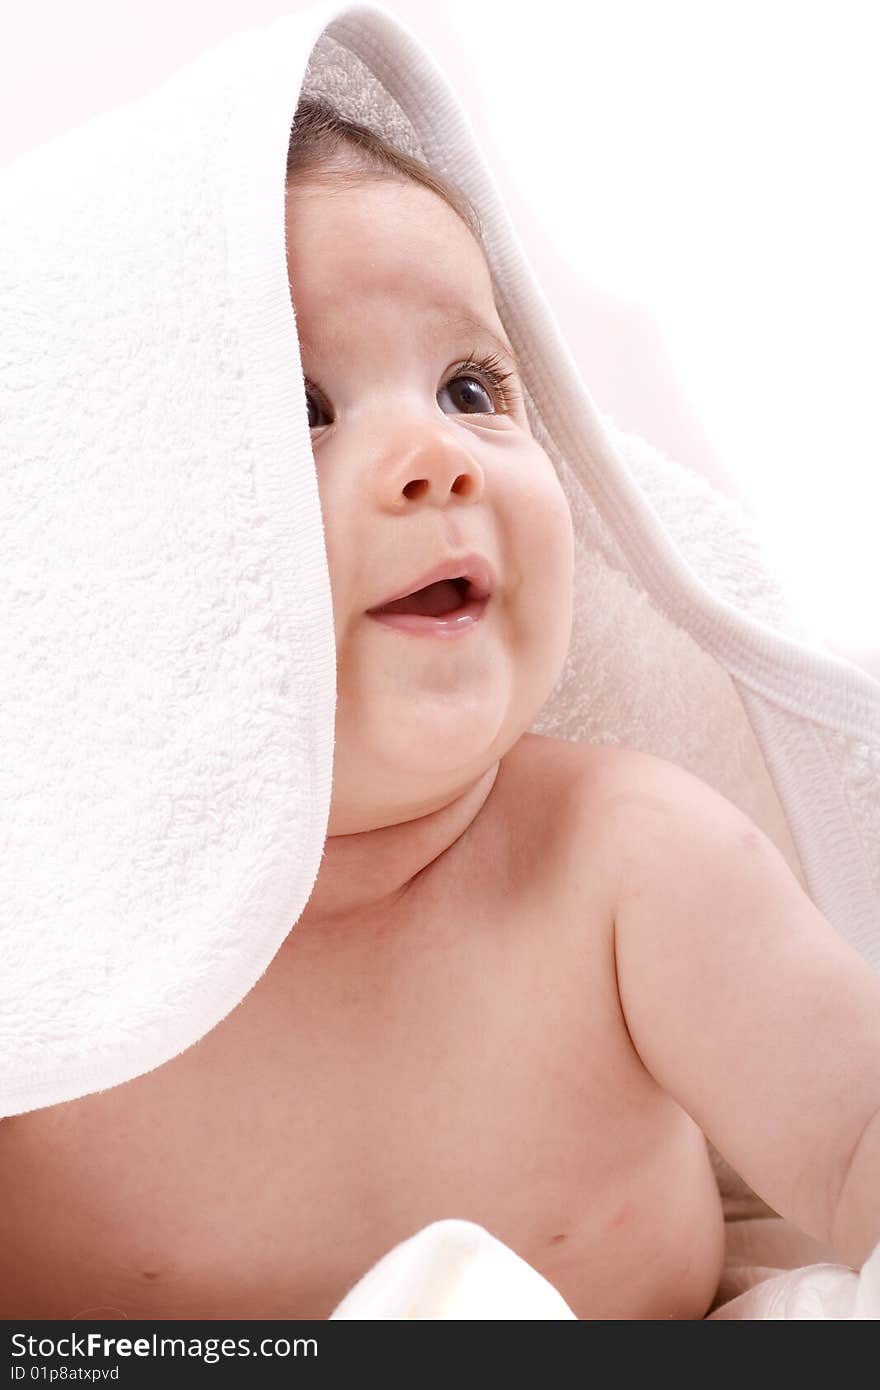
363, 876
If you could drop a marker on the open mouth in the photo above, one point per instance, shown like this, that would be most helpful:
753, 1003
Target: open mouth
447, 608
434, 601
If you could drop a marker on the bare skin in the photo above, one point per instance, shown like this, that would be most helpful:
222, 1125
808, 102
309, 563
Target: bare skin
525, 965
462, 1053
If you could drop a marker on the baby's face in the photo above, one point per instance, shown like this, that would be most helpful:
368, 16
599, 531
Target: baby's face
417, 460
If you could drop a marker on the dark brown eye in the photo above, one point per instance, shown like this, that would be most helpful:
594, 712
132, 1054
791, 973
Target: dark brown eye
470, 394
484, 376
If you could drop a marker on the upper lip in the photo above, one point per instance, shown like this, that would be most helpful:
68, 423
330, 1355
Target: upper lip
475, 568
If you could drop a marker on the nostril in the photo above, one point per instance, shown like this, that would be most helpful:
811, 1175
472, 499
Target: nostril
415, 488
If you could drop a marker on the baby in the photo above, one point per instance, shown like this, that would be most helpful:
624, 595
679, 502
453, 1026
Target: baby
533, 976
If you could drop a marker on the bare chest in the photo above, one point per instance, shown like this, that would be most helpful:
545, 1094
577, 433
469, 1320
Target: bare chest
261, 1173
477, 1069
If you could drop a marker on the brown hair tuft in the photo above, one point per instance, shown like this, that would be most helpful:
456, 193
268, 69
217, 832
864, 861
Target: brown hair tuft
327, 148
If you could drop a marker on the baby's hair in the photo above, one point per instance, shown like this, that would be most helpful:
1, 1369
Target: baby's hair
327, 148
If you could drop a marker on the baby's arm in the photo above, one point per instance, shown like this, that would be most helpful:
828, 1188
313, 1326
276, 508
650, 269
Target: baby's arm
746, 1005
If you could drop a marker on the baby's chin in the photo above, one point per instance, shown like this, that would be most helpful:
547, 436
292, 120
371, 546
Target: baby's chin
432, 760
371, 798
411, 766
426, 729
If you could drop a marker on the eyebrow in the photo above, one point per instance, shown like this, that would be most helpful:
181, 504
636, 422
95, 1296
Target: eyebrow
463, 318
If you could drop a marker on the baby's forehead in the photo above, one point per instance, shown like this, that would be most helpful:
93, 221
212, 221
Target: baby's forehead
415, 239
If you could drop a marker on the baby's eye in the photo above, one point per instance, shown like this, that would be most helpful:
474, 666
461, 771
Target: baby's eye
490, 378
314, 408
469, 393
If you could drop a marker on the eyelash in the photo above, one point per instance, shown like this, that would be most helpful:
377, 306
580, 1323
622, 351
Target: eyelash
491, 366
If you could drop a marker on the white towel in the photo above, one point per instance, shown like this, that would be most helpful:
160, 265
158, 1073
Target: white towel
167, 661
456, 1270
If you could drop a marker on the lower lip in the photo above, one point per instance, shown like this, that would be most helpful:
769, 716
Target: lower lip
452, 625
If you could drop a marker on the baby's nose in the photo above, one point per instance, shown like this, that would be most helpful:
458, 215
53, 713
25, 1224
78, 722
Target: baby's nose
431, 469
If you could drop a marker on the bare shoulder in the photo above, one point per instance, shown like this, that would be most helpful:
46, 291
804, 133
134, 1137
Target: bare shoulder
626, 781
595, 779
624, 803
658, 809
623, 776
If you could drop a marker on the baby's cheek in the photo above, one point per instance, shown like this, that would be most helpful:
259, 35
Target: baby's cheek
552, 527
554, 565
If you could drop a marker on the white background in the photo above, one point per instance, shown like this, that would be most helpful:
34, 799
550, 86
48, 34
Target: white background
696, 187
